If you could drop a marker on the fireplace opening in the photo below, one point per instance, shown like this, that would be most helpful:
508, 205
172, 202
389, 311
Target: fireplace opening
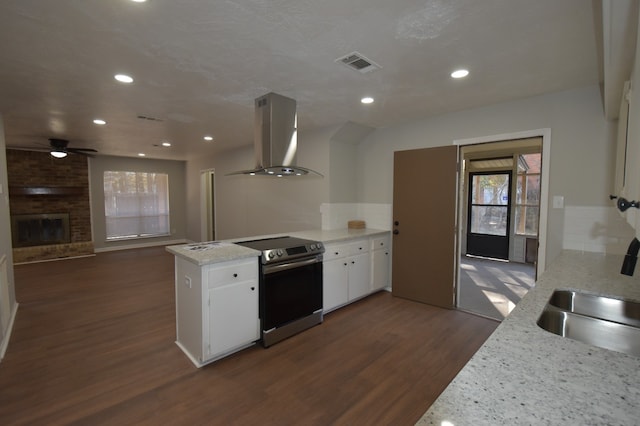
29, 230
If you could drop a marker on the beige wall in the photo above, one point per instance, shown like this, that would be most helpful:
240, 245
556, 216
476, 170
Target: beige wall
582, 148
5, 243
177, 199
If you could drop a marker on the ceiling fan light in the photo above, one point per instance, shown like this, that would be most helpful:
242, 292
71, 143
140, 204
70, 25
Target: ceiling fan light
58, 153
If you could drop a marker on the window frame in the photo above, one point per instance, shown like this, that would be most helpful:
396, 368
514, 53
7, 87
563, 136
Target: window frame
161, 210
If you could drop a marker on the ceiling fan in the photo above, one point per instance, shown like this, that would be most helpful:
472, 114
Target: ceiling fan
60, 149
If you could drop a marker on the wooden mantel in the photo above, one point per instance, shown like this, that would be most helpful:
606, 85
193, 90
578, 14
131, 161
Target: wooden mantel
45, 190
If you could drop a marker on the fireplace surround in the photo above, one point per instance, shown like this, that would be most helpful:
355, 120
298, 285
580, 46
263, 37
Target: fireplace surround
29, 230
39, 184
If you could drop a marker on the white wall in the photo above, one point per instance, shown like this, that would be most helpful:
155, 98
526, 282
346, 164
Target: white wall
581, 170
177, 199
260, 205
8, 305
582, 148
632, 187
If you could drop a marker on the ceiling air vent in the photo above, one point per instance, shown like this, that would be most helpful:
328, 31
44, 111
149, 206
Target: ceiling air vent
358, 62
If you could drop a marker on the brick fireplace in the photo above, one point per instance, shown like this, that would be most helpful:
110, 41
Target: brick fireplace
47, 195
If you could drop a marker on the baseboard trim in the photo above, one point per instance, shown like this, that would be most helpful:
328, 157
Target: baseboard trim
7, 336
53, 260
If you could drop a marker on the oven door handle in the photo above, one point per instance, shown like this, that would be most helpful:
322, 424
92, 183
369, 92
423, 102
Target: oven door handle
291, 265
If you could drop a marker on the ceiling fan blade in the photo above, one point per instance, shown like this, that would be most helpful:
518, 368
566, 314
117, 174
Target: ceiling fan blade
81, 149
75, 151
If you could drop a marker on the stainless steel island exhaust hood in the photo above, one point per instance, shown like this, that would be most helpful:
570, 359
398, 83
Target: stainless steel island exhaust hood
276, 138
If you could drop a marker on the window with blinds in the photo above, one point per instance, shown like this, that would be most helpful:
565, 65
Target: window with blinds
136, 204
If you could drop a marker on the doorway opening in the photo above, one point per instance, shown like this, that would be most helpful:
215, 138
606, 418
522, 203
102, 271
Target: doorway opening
208, 205
500, 200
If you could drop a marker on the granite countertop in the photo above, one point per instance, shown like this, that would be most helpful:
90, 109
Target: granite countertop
209, 252
526, 375
337, 235
212, 252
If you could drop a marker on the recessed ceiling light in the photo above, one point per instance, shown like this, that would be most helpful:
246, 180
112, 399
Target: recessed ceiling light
165, 143
460, 73
139, 1
123, 78
141, 154
367, 100
99, 122
208, 138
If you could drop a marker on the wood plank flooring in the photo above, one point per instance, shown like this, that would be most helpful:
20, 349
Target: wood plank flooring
93, 344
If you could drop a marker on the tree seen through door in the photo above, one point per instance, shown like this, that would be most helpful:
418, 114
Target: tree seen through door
490, 197
489, 214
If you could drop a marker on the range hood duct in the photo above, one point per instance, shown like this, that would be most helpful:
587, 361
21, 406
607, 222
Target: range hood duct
276, 138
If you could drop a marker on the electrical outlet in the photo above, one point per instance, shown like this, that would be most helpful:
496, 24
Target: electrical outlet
187, 281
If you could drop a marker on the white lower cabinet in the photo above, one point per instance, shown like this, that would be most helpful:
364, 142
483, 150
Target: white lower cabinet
380, 263
232, 317
346, 273
334, 284
216, 308
359, 276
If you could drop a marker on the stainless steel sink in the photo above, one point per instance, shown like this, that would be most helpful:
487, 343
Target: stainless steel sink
593, 331
601, 321
607, 308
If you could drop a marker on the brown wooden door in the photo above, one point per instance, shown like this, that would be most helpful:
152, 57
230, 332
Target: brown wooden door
424, 215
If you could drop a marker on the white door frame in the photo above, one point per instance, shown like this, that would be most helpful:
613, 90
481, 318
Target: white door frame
207, 204
545, 133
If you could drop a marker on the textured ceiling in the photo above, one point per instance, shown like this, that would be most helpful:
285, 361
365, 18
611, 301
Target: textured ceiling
198, 65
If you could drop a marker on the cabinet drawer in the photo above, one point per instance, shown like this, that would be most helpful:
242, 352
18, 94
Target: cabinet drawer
230, 272
358, 247
380, 242
335, 251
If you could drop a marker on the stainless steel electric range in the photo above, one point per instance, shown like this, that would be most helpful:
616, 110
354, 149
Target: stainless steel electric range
290, 286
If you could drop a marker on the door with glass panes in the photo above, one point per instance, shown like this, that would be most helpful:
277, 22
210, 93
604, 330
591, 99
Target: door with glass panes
489, 214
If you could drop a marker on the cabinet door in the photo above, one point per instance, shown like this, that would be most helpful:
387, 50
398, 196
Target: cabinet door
233, 316
334, 284
380, 269
359, 276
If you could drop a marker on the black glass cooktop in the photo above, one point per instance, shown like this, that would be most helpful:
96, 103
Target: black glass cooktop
276, 243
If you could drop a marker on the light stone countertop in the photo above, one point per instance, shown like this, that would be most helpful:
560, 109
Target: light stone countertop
338, 235
524, 375
225, 250
221, 251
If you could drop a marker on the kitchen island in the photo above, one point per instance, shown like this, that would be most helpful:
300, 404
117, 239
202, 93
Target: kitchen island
526, 375
219, 287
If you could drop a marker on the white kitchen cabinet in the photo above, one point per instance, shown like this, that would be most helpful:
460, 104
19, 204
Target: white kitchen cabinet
359, 276
335, 292
380, 263
216, 308
346, 274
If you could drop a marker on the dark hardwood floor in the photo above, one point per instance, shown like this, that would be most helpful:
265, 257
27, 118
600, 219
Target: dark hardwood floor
93, 344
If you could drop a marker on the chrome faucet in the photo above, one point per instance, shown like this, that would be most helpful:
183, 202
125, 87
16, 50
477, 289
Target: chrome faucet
629, 264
